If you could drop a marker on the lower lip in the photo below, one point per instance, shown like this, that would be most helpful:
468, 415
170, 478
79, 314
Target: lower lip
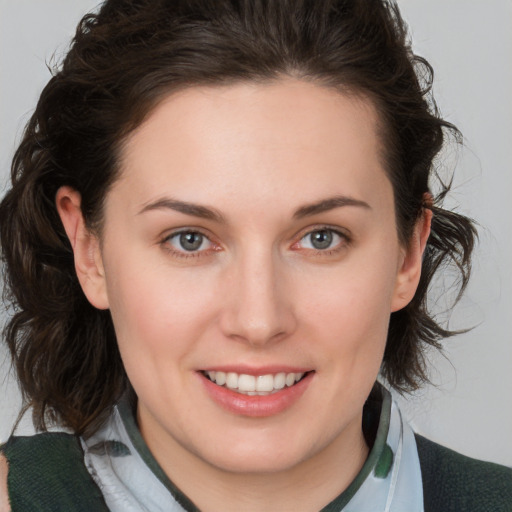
256, 406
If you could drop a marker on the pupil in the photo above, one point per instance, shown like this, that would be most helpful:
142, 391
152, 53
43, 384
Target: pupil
321, 239
191, 241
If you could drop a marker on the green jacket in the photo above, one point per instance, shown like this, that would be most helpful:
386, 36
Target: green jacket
47, 474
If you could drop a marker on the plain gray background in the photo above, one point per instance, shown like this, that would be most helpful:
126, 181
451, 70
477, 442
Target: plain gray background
469, 43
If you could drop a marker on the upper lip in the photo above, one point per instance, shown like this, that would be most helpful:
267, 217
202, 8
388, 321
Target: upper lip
257, 370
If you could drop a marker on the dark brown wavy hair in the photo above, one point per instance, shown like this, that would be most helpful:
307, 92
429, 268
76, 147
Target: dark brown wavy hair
123, 60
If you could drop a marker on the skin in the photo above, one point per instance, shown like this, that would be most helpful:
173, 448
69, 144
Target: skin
4, 500
257, 293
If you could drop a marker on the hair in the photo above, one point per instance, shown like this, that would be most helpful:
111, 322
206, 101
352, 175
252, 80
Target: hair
122, 61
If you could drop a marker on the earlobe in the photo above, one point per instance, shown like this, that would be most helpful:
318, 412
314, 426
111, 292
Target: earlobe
86, 247
409, 272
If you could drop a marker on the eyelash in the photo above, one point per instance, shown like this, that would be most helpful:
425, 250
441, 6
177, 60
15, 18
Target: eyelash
345, 241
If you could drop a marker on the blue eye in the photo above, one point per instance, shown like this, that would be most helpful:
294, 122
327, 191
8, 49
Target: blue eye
321, 240
189, 241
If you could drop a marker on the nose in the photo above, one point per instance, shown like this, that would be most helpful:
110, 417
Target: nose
258, 300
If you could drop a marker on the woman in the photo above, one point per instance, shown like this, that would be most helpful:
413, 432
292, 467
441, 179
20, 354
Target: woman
220, 231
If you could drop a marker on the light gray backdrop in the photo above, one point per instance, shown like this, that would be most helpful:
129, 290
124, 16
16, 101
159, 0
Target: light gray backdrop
469, 43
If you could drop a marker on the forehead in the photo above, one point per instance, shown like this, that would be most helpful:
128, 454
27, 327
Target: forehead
256, 141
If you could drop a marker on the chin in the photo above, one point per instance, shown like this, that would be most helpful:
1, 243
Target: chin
241, 464
259, 456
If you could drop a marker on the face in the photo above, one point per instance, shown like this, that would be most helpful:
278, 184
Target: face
250, 261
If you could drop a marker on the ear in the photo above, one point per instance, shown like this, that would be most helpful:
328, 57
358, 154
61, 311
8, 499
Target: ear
409, 271
86, 247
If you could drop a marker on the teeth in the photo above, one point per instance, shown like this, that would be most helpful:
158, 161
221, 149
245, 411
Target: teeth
251, 385
265, 383
290, 379
279, 381
246, 382
232, 380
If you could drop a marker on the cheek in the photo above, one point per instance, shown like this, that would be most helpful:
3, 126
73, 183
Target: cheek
349, 309
159, 315
357, 295
353, 326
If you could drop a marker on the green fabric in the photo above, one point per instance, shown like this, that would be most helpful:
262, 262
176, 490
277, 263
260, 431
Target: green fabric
47, 474
455, 483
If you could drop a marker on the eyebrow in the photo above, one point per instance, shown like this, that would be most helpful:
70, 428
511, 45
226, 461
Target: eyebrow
204, 212
195, 210
328, 204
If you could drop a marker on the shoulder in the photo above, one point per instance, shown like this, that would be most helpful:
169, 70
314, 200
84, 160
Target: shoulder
454, 482
47, 472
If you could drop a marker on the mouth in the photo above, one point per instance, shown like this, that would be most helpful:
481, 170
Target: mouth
255, 385
256, 394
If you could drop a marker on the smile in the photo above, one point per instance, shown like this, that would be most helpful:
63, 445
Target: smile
251, 385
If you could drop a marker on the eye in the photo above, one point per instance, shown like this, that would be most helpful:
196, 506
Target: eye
321, 240
189, 241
